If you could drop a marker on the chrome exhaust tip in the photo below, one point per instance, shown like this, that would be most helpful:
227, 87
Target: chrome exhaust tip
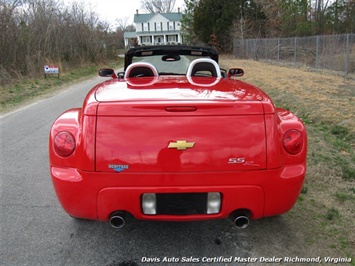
117, 220
241, 219
241, 222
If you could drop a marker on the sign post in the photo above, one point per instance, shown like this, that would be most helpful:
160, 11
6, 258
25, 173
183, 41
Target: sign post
51, 70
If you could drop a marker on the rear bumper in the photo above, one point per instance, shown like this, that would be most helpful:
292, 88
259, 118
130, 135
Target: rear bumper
96, 195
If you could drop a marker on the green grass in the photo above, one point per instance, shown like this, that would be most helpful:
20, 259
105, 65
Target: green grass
332, 214
331, 154
343, 196
26, 89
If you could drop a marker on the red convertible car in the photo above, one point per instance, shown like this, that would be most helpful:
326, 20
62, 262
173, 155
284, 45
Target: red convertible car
176, 138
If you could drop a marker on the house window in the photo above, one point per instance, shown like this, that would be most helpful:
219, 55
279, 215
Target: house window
145, 27
158, 26
145, 39
171, 25
172, 38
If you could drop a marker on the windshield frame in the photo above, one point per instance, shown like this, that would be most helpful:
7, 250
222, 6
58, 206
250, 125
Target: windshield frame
144, 52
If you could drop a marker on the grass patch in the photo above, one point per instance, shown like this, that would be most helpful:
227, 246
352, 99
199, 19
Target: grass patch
345, 196
304, 190
326, 105
332, 214
27, 89
339, 139
348, 172
340, 131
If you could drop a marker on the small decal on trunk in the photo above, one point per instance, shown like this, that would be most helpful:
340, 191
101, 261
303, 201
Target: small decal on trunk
118, 167
236, 160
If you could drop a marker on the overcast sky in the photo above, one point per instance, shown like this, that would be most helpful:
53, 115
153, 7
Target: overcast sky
110, 10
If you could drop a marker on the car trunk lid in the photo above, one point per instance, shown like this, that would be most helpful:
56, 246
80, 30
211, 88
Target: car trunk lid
185, 135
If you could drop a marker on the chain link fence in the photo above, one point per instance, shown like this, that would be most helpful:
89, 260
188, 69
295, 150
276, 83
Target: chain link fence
334, 52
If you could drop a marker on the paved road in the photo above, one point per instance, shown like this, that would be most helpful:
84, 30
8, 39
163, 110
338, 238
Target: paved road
36, 231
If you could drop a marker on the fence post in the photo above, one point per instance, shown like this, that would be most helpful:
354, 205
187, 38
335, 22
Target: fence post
265, 48
347, 55
317, 47
255, 57
278, 50
295, 51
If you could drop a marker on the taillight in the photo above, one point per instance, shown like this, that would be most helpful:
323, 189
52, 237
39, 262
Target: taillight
293, 141
64, 144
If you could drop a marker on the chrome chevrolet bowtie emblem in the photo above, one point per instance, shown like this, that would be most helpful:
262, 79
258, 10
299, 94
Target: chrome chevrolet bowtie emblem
181, 145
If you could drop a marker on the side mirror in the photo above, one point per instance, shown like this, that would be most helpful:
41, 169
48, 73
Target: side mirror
120, 75
235, 72
107, 72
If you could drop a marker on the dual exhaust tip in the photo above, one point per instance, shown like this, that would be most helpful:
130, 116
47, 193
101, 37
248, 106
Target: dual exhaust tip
117, 220
240, 219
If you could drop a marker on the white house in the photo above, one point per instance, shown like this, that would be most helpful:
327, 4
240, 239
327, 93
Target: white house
155, 29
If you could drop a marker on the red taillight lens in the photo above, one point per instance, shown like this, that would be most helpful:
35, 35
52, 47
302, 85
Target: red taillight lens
293, 141
64, 144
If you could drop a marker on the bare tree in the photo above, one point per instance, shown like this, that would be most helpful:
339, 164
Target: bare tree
122, 23
38, 32
158, 6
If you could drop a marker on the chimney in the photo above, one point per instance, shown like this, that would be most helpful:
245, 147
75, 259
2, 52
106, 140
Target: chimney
178, 9
137, 11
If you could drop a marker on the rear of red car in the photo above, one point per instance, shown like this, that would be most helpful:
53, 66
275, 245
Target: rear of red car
179, 151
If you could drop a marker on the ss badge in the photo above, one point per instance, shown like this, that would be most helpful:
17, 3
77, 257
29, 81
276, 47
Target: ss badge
236, 160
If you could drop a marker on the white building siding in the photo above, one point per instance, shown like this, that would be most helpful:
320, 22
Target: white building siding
157, 29
158, 19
